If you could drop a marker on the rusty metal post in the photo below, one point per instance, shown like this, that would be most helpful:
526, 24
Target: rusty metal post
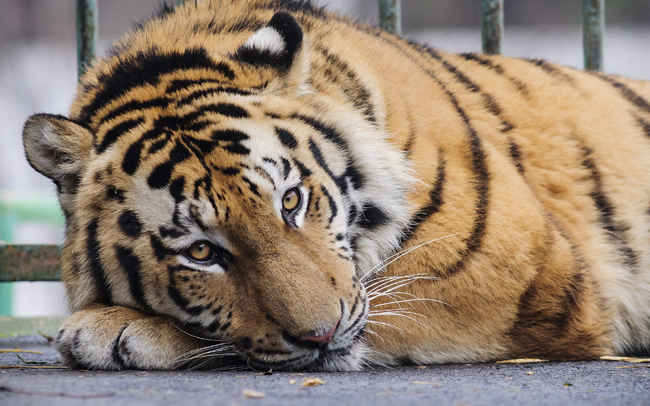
390, 16
30, 263
492, 26
593, 27
86, 34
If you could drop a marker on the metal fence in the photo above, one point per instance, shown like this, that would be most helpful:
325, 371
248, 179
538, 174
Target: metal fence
41, 262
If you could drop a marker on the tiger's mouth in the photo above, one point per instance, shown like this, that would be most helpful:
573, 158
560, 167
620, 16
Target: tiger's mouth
339, 353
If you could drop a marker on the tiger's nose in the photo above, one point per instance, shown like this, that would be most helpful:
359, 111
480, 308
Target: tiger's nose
325, 338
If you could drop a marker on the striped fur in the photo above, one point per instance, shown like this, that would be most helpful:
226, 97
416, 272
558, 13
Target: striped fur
452, 208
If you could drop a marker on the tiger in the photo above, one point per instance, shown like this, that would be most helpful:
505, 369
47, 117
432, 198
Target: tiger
267, 184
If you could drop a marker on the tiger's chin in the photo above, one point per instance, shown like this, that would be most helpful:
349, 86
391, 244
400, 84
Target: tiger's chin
342, 359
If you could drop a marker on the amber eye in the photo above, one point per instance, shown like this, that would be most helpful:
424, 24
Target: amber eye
201, 251
291, 200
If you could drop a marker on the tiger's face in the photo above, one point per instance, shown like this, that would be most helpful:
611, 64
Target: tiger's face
223, 226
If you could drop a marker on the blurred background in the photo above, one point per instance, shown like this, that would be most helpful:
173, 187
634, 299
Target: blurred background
38, 74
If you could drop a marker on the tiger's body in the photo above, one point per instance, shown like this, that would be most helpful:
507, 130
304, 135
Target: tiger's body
237, 176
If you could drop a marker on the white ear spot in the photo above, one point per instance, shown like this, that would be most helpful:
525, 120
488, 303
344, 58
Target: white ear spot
268, 40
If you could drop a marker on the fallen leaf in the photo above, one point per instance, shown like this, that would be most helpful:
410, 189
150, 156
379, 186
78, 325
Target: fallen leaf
428, 383
521, 361
635, 366
529, 372
625, 359
31, 367
249, 393
292, 381
16, 350
422, 367
568, 384
311, 382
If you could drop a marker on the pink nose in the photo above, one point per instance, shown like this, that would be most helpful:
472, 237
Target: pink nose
325, 338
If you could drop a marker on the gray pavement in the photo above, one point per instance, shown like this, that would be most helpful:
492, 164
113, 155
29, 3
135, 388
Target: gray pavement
571, 383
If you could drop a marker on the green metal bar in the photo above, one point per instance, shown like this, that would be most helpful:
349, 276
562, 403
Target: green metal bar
30, 263
390, 16
492, 26
86, 34
593, 27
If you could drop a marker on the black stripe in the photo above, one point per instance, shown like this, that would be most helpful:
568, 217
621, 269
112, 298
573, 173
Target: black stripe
515, 154
145, 68
645, 125
229, 136
372, 217
98, 274
550, 69
205, 92
131, 265
625, 91
489, 102
176, 189
485, 61
304, 171
349, 82
136, 105
182, 84
286, 138
130, 224
176, 295
161, 175
237, 149
320, 160
333, 208
131, 160
159, 249
286, 168
251, 186
328, 132
114, 133
225, 109
434, 204
615, 229
115, 348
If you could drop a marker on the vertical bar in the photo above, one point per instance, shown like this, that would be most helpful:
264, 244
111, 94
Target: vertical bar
593, 27
390, 16
86, 34
492, 26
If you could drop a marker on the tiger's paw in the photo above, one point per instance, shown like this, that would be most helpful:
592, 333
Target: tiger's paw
118, 338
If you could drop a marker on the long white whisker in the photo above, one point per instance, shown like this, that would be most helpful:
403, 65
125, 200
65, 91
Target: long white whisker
398, 255
410, 300
195, 336
384, 324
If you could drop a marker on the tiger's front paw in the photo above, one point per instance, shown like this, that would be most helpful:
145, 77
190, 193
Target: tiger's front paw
117, 338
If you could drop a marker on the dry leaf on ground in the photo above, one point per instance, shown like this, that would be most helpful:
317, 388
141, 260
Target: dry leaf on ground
249, 393
311, 382
625, 359
521, 361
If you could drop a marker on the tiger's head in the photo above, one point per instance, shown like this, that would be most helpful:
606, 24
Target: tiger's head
209, 179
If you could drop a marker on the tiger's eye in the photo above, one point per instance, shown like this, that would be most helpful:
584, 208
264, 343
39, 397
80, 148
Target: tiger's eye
200, 251
291, 200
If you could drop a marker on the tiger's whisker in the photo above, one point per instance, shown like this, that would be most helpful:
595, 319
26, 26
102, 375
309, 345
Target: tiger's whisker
398, 255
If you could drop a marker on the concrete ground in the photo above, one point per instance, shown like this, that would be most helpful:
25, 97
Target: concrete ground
38, 379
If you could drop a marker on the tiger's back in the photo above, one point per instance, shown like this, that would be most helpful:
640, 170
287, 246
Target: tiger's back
516, 190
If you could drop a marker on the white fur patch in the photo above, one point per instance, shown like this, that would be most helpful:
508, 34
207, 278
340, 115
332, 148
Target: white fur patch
266, 39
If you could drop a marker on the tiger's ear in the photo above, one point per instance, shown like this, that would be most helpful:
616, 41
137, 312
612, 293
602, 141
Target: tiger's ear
279, 46
58, 148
